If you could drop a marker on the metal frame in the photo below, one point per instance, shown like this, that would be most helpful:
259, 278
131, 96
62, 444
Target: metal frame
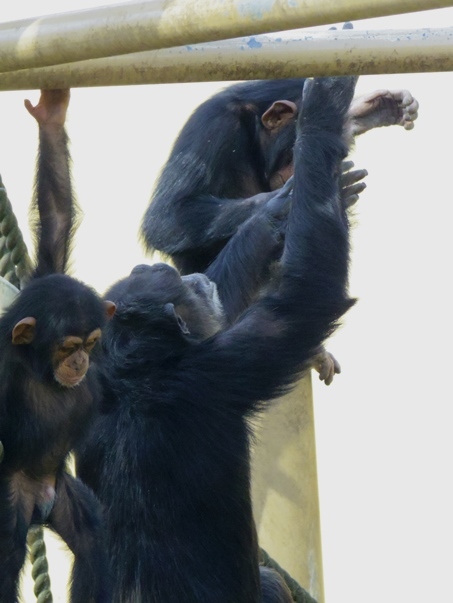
139, 26
261, 57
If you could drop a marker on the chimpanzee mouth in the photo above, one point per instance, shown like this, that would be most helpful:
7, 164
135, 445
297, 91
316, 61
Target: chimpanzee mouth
70, 381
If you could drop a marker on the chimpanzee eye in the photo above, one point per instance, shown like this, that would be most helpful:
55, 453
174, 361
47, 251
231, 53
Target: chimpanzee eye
68, 349
90, 344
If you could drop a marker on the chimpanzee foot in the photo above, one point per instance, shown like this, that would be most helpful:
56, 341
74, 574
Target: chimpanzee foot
383, 108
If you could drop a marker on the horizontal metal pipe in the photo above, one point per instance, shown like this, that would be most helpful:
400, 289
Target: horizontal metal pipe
262, 57
139, 26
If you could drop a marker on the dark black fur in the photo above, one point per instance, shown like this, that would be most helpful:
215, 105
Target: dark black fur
221, 163
40, 420
169, 456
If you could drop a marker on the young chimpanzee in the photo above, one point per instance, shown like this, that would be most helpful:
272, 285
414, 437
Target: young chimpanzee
48, 390
234, 150
169, 454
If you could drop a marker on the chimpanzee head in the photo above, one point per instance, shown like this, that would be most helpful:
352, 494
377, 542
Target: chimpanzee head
157, 302
53, 326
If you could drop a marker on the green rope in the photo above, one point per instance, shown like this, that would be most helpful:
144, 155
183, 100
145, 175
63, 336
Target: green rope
15, 263
299, 594
15, 267
40, 567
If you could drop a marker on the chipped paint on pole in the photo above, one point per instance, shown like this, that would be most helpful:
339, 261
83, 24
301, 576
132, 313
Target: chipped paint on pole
257, 57
139, 26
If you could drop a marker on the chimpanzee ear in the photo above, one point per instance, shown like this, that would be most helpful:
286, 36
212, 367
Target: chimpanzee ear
110, 309
24, 331
169, 310
279, 114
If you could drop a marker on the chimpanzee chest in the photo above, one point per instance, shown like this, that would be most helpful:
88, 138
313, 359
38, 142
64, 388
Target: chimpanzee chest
44, 424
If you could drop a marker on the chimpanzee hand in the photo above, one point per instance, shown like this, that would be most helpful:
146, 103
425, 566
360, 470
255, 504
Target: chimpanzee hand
383, 108
51, 108
326, 364
350, 184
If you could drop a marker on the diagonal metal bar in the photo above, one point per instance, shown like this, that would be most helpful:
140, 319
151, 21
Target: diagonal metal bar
262, 57
139, 26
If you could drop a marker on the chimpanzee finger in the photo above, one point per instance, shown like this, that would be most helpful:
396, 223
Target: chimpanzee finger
350, 194
333, 366
347, 165
354, 189
350, 177
350, 184
326, 365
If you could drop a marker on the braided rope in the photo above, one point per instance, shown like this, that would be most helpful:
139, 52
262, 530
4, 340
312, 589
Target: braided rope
15, 267
40, 567
15, 263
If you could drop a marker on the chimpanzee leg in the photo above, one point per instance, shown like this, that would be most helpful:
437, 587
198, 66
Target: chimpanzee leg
77, 518
273, 587
13, 543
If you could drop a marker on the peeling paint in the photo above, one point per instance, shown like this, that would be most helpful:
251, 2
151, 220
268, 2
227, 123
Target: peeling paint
254, 43
254, 57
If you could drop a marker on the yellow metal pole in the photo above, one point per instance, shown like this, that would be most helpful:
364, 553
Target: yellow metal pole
261, 57
285, 488
138, 26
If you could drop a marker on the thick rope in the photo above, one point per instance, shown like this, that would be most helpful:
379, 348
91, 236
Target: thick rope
15, 267
15, 263
40, 567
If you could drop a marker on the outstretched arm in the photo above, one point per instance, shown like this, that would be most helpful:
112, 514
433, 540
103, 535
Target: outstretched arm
53, 190
192, 229
245, 264
267, 346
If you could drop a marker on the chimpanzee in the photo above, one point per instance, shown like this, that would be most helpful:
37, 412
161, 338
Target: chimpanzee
169, 454
48, 390
235, 147
234, 150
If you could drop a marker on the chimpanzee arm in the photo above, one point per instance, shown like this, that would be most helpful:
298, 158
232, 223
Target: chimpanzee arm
244, 265
199, 225
261, 355
247, 262
53, 190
